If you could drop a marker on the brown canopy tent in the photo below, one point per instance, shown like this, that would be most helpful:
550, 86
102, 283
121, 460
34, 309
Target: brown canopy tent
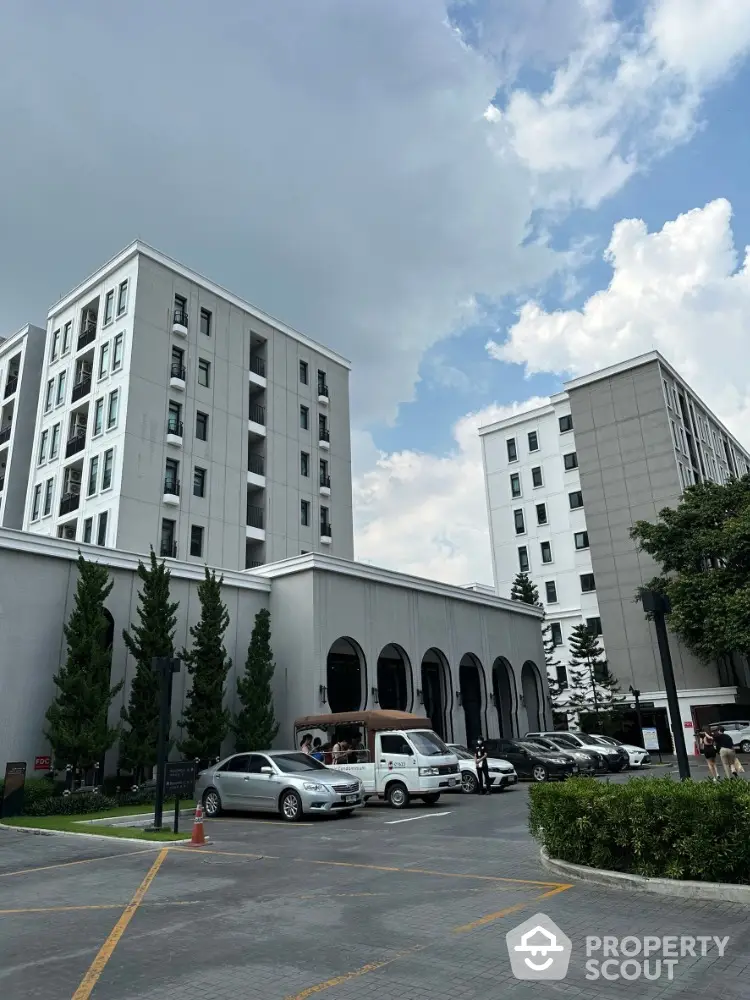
372, 721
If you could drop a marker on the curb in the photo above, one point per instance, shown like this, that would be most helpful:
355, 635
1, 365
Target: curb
724, 892
127, 820
39, 832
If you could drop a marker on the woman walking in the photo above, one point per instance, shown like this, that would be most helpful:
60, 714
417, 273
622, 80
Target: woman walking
708, 748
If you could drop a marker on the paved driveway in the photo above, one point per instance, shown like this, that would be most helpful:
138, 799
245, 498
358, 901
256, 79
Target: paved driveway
405, 905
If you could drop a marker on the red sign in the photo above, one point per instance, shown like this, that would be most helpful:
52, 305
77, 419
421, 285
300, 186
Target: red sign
42, 763
688, 725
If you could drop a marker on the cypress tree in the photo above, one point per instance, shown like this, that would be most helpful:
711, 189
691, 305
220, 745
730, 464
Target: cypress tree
77, 720
524, 589
153, 636
205, 719
255, 727
592, 686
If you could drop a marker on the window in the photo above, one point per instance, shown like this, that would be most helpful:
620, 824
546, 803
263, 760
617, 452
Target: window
566, 423
204, 372
561, 674
67, 330
109, 461
588, 584
546, 549
43, 447
523, 559
541, 513
324, 518
67, 531
117, 351
101, 530
201, 426
98, 416
304, 509
205, 326
594, 625
55, 346
304, 463
109, 307
519, 522
196, 540
122, 298
88, 526
555, 632
303, 372
396, 745
551, 590
178, 361
304, 418
570, 461
114, 402
575, 499
171, 475
533, 441
60, 398
36, 502
322, 385
581, 539
515, 485
49, 487
103, 360
199, 482
324, 480
537, 479
510, 444
55, 443
49, 395
93, 475
167, 545
322, 427
180, 310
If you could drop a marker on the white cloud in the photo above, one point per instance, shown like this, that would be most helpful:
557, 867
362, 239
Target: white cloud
427, 514
679, 290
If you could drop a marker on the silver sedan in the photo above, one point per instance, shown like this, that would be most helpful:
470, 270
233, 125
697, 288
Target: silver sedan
285, 782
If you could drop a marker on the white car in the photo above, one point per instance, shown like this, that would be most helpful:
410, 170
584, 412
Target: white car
637, 756
741, 738
502, 773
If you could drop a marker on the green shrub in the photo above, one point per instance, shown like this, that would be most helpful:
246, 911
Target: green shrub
71, 805
648, 826
35, 790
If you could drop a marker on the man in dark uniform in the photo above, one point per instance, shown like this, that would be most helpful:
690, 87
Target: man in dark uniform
483, 768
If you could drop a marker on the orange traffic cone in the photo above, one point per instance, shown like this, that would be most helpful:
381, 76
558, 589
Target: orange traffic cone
199, 837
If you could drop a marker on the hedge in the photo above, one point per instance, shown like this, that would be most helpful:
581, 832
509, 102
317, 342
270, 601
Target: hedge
654, 827
43, 797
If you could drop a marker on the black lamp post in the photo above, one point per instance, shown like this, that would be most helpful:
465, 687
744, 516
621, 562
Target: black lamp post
164, 667
637, 699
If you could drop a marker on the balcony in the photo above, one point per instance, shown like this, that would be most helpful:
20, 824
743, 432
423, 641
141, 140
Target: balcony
257, 420
168, 549
180, 321
258, 371
75, 444
325, 486
88, 332
323, 395
69, 503
174, 432
324, 439
11, 385
5, 433
171, 491
177, 377
81, 388
325, 533
256, 470
255, 522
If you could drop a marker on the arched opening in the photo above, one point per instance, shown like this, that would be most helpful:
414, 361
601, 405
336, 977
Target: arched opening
345, 676
471, 685
436, 691
394, 678
531, 686
504, 691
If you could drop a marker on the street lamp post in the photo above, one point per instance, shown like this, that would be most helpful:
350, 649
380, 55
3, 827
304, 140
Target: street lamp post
164, 667
637, 698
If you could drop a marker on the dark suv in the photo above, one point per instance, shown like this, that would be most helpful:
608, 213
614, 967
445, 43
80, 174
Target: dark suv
532, 762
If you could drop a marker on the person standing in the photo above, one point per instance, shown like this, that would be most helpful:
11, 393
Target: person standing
708, 748
483, 768
725, 743
306, 744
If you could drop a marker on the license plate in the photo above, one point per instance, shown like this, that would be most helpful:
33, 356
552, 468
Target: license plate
350, 798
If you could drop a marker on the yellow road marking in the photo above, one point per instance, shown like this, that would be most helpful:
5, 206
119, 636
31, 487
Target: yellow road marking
96, 968
347, 977
429, 871
483, 921
69, 864
95, 906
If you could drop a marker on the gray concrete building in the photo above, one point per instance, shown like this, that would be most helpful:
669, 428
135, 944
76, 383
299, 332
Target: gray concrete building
21, 359
172, 414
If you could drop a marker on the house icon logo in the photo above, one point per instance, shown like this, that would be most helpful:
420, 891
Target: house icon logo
538, 949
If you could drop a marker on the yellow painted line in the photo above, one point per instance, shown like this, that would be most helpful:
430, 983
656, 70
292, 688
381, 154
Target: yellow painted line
491, 917
95, 906
429, 871
347, 977
96, 968
69, 864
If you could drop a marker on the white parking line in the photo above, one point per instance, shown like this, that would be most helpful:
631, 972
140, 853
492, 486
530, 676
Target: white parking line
392, 822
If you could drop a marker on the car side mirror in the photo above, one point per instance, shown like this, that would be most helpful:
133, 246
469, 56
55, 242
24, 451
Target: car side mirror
266, 770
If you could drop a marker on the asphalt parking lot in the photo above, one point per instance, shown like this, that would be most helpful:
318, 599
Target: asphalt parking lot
412, 904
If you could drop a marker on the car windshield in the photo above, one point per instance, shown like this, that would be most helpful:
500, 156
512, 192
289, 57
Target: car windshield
598, 741
461, 753
567, 741
532, 747
292, 763
429, 744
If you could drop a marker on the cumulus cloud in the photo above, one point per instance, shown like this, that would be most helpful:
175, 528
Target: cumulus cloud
681, 290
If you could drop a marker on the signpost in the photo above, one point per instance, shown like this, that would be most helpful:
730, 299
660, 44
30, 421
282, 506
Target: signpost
179, 780
15, 779
651, 738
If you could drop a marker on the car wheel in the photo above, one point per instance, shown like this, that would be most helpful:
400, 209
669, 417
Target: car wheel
290, 806
211, 804
539, 773
397, 796
469, 783
745, 746
431, 799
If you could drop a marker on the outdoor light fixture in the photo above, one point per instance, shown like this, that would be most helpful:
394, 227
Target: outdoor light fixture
322, 692
420, 699
459, 698
374, 693
493, 698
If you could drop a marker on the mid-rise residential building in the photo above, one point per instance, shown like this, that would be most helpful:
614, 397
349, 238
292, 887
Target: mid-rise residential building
174, 415
565, 483
21, 357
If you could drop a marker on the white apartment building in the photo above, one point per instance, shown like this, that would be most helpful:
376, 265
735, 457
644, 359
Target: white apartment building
174, 415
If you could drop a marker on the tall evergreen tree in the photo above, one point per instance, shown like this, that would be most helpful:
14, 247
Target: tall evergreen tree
524, 589
153, 636
592, 687
255, 726
77, 720
205, 719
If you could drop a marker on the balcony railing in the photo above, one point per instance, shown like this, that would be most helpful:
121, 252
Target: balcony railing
323, 434
69, 502
174, 426
258, 414
172, 486
256, 464
325, 482
325, 529
180, 316
75, 444
5, 433
258, 366
11, 385
253, 564
168, 548
81, 388
87, 333
178, 371
254, 516
323, 389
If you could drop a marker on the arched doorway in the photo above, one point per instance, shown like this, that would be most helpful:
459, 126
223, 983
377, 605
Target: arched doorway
436, 691
504, 690
471, 686
394, 678
531, 686
346, 676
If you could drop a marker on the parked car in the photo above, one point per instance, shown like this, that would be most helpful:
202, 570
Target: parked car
285, 782
502, 772
589, 761
616, 758
532, 761
741, 738
637, 756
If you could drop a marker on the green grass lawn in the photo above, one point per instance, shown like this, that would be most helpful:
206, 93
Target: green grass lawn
77, 824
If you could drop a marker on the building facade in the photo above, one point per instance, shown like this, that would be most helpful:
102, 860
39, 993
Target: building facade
174, 415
